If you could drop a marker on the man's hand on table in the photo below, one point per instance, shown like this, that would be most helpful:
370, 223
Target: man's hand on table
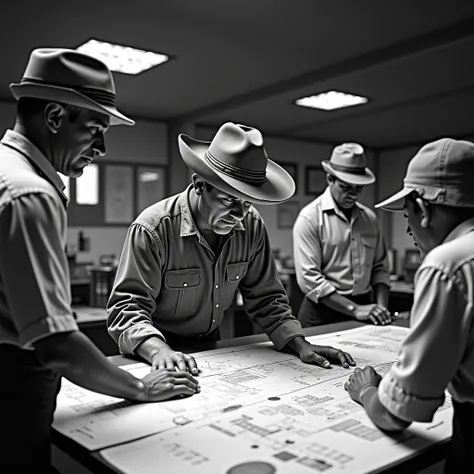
376, 313
167, 358
320, 355
361, 381
163, 384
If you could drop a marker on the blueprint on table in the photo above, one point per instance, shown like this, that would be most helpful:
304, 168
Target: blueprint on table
255, 405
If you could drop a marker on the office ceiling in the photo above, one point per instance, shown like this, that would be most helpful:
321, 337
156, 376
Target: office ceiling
247, 61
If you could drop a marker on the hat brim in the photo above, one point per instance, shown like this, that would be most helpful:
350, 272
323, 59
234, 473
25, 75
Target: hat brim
396, 202
357, 179
277, 188
68, 96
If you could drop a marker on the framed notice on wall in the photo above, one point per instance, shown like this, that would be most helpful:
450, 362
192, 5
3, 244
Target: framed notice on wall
119, 198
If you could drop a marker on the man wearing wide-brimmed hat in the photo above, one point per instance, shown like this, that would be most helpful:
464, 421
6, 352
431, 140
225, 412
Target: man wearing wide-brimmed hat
437, 199
66, 102
340, 257
185, 257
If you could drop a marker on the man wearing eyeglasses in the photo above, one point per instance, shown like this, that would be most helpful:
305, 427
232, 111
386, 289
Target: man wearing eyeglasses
340, 257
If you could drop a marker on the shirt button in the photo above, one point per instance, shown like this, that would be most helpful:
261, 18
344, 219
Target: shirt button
185, 284
217, 286
213, 320
237, 277
217, 305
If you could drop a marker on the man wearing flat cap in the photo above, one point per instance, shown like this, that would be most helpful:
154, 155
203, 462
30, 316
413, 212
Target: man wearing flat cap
438, 354
340, 257
66, 102
184, 258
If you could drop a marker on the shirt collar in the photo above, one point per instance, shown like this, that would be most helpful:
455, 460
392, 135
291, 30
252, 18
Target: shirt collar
460, 230
188, 227
328, 204
30, 151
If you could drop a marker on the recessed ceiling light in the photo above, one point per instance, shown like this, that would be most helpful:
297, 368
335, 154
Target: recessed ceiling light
331, 100
122, 58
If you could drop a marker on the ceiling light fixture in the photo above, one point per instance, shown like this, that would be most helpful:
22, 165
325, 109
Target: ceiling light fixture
122, 58
331, 100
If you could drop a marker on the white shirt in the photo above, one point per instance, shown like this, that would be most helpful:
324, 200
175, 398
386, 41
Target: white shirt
332, 253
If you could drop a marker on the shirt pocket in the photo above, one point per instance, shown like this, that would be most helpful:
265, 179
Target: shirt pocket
369, 242
234, 273
182, 290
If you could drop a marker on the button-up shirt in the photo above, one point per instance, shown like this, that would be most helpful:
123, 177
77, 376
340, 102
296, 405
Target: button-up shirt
169, 279
35, 298
438, 353
334, 253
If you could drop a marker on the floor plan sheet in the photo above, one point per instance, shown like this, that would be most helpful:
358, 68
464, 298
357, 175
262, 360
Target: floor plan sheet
259, 411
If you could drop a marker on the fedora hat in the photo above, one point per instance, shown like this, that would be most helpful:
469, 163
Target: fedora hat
64, 75
349, 164
236, 162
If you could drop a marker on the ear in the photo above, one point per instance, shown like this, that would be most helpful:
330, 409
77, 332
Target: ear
54, 115
329, 178
198, 184
425, 212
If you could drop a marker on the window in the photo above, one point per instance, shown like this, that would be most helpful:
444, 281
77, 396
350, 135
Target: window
87, 186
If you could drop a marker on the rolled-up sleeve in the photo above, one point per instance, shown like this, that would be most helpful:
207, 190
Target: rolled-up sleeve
135, 289
430, 355
264, 297
380, 269
307, 255
33, 267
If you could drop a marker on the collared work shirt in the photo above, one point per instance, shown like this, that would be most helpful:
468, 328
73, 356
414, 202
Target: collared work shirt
168, 278
333, 253
35, 291
438, 353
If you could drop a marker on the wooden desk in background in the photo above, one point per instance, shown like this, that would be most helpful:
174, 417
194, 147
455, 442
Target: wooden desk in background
92, 459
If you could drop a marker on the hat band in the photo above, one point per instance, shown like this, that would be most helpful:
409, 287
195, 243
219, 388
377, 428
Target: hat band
100, 96
348, 169
247, 176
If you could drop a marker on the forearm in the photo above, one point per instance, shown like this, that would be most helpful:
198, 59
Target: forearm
73, 356
378, 414
150, 347
382, 293
339, 303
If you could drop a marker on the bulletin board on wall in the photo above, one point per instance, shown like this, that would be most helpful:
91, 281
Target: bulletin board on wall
125, 190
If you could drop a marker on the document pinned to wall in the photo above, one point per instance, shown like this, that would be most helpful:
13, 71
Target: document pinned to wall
119, 194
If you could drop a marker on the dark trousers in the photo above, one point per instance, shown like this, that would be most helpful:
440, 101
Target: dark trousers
175, 341
459, 459
312, 314
28, 393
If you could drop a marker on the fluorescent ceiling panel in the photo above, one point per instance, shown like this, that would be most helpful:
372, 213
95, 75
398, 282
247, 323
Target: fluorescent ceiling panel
331, 100
122, 58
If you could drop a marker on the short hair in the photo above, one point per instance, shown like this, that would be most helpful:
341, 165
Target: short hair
30, 106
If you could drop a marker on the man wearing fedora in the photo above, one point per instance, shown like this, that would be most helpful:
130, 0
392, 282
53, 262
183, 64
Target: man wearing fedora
340, 257
438, 354
66, 102
184, 258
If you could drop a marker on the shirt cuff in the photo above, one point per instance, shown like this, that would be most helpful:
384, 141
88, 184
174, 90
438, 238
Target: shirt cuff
132, 337
320, 292
404, 405
284, 333
45, 327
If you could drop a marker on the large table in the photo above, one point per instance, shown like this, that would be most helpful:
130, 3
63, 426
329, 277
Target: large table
94, 461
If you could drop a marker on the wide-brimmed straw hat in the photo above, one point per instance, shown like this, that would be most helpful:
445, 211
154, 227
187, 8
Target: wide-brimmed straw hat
236, 162
349, 163
70, 77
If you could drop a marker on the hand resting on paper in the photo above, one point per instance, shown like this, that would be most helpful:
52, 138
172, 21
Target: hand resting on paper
163, 384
